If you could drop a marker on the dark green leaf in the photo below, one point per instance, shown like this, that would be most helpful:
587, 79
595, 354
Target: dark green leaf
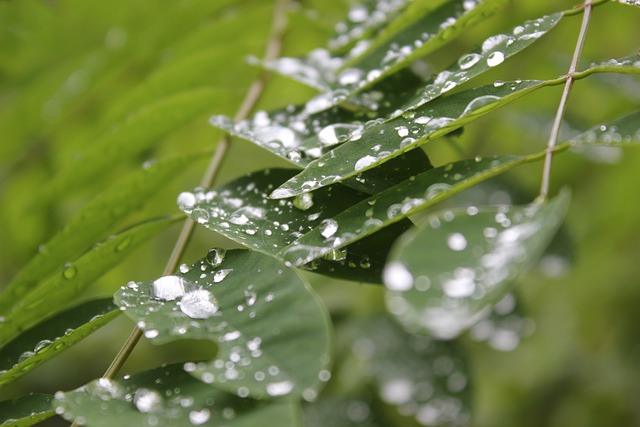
241, 211
168, 397
26, 410
444, 277
52, 336
400, 134
58, 291
97, 217
272, 332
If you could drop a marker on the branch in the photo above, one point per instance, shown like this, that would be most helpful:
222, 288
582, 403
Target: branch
557, 123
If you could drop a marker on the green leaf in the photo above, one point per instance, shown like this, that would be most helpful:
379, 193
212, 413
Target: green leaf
420, 376
629, 2
627, 65
52, 336
418, 31
96, 218
26, 410
139, 132
400, 134
392, 205
444, 277
242, 212
273, 334
59, 290
622, 132
167, 397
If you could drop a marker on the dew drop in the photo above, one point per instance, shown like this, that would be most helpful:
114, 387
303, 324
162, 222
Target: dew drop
220, 275
328, 228
186, 201
69, 271
147, 401
279, 388
364, 162
495, 58
199, 304
168, 288
396, 277
456, 242
216, 256
199, 417
303, 201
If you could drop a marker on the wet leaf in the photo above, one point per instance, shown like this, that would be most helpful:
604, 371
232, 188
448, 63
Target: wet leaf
258, 312
92, 221
359, 410
400, 134
396, 203
241, 211
627, 65
445, 277
136, 134
52, 336
629, 2
58, 291
421, 377
167, 397
622, 132
26, 410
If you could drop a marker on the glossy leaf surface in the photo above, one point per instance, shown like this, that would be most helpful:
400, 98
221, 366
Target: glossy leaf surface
444, 277
167, 397
621, 132
412, 195
52, 336
242, 211
258, 312
395, 136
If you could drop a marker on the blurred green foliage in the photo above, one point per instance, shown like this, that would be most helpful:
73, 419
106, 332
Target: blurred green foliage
72, 72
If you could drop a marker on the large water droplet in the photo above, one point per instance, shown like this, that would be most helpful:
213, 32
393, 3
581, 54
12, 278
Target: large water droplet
216, 256
328, 228
220, 275
168, 288
199, 304
147, 400
279, 388
186, 201
396, 277
69, 271
495, 58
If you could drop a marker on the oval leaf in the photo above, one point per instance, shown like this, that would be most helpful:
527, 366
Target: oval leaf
621, 132
51, 337
445, 277
272, 332
167, 397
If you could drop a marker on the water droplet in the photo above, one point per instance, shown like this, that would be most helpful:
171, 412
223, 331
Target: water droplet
250, 296
457, 242
364, 162
199, 417
186, 201
303, 201
124, 244
199, 304
220, 275
168, 288
41, 345
215, 256
495, 58
396, 277
328, 228
69, 271
279, 388
152, 333
147, 401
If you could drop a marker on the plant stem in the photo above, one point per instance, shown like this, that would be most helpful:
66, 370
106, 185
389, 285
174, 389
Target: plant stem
273, 48
557, 123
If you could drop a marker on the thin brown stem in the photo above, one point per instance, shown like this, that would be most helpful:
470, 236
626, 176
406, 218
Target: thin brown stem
557, 123
254, 93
